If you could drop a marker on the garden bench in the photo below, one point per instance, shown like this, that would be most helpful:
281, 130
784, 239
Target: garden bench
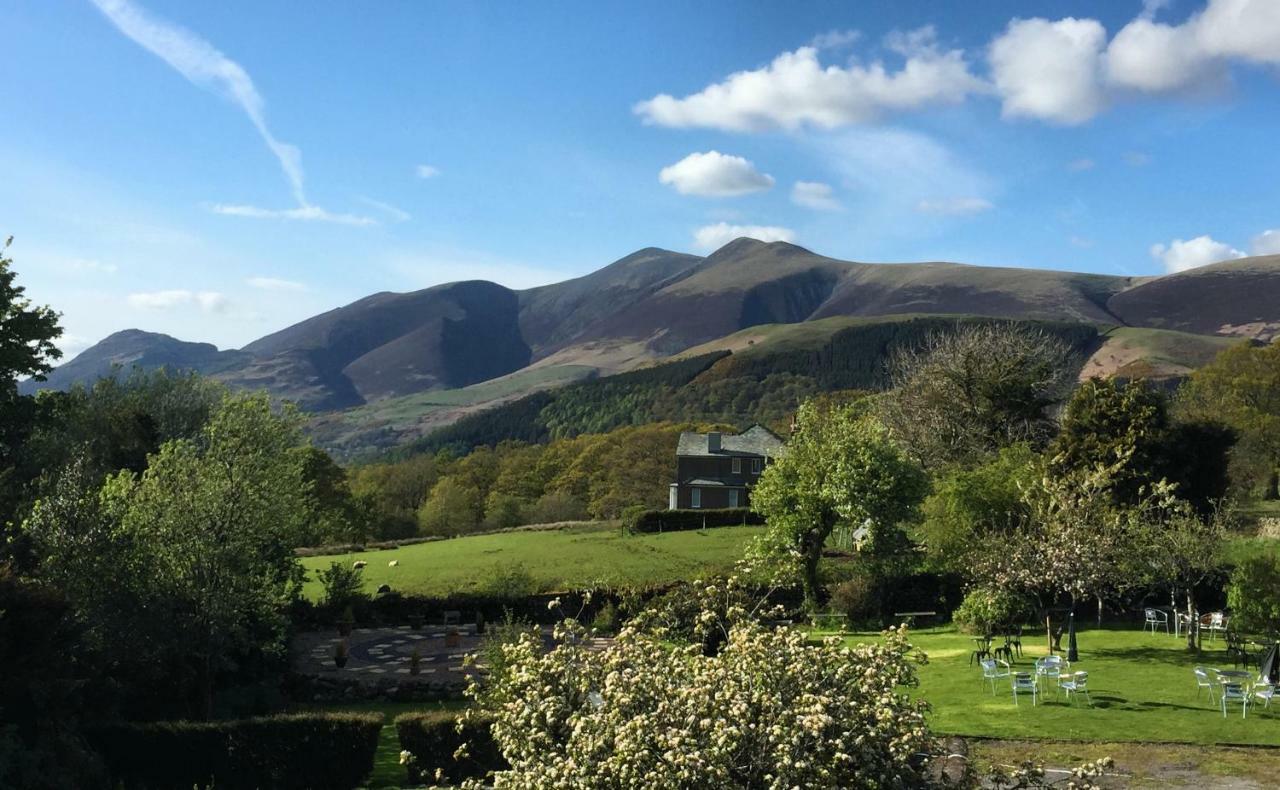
453, 617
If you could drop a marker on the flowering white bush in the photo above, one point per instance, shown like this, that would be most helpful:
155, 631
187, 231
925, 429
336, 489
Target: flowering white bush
768, 711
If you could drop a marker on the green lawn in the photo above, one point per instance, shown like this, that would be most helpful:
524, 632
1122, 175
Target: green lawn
1142, 685
556, 560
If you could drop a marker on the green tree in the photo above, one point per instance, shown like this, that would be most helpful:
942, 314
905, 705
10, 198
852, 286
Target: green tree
1241, 387
969, 505
27, 335
502, 511
451, 509
838, 467
1253, 595
971, 391
191, 561
1127, 426
335, 515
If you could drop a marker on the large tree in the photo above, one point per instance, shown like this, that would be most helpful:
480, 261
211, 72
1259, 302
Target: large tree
969, 392
1127, 426
1241, 387
837, 467
185, 567
27, 335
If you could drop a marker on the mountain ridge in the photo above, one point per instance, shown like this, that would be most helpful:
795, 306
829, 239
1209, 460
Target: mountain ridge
655, 303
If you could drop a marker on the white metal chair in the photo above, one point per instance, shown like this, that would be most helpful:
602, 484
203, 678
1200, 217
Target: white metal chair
1214, 623
1264, 692
1076, 685
1234, 692
1026, 683
1156, 619
993, 671
1205, 681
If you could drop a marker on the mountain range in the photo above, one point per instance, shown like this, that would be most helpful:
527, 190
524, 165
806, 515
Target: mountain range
656, 303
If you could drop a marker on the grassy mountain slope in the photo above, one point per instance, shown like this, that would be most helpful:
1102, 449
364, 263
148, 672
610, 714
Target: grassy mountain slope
132, 347
1240, 298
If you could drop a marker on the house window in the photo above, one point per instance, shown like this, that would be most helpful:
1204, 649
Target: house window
695, 499
737, 466
733, 497
756, 464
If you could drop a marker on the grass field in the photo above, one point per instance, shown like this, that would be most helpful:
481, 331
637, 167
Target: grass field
1142, 686
556, 560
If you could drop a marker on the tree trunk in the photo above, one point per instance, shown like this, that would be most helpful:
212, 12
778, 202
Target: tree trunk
1273, 485
1099, 611
1193, 622
812, 553
1048, 631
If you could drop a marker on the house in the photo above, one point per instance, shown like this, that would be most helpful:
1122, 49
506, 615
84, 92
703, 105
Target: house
716, 470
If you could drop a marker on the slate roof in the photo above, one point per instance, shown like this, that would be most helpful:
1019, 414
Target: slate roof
756, 440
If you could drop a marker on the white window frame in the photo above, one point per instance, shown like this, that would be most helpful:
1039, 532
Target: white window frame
695, 497
737, 465
733, 498
757, 464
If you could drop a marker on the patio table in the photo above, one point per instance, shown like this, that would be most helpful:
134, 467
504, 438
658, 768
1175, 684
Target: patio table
1241, 676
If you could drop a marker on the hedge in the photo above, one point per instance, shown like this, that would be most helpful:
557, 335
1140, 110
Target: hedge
677, 520
331, 751
433, 737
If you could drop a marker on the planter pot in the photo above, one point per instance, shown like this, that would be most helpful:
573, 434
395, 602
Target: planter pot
414, 669
452, 638
344, 628
340, 661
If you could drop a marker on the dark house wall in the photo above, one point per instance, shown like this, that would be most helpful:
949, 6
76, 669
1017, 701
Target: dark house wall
719, 468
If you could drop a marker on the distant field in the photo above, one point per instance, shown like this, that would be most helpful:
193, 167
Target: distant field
556, 560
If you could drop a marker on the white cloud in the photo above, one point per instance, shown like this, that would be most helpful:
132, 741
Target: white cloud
795, 90
70, 345
275, 284
1245, 29
207, 301
207, 67
1266, 243
1155, 58
395, 212
426, 171
202, 64
1050, 70
954, 207
714, 174
814, 195
713, 237
304, 213
1179, 255
1079, 165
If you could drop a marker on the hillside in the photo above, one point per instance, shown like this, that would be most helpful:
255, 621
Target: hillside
383, 355
119, 352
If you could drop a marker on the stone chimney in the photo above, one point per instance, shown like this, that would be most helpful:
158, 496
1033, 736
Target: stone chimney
713, 442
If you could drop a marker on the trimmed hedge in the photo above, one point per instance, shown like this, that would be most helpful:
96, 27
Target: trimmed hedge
332, 751
432, 738
678, 520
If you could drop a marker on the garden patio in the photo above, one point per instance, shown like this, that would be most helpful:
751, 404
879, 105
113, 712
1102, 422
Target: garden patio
1142, 685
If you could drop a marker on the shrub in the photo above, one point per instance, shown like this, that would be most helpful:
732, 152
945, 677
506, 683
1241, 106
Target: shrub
639, 714
1253, 595
856, 598
986, 609
679, 520
342, 584
607, 618
433, 738
311, 750
512, 580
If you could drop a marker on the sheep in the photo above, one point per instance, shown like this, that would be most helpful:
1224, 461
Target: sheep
393, 563
383, 589
358, 564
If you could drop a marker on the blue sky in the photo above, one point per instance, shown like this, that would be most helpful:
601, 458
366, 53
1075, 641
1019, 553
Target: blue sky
218, 171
